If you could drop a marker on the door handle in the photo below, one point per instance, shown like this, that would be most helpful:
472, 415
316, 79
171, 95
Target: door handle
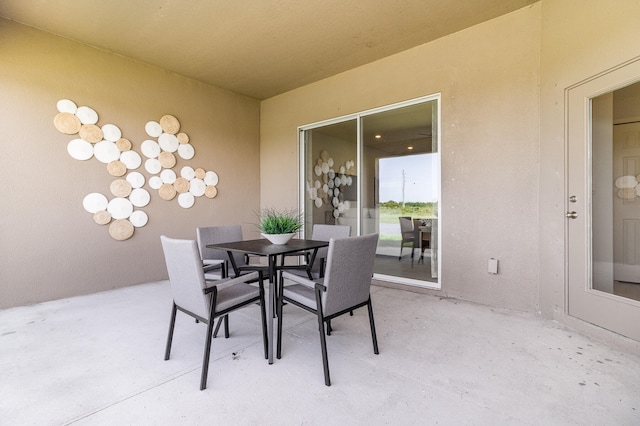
572, 215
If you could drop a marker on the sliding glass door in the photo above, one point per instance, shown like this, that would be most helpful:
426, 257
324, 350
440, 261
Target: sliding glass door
379, 172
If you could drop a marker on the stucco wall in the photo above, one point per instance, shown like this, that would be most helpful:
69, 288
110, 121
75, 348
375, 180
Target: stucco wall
49, 245
488, 76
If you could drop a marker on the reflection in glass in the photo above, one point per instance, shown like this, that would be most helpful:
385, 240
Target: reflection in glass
615, 140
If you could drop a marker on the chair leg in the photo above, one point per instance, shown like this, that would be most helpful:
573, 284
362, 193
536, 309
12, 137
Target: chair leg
226, 326
215, 332
323, 339
207, 345
172, 324
323, 345
373, 327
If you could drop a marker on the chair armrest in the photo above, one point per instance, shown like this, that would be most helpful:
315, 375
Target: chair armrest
300, 279
228, 282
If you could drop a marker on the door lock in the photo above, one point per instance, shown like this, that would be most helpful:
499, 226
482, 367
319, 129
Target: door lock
572, 215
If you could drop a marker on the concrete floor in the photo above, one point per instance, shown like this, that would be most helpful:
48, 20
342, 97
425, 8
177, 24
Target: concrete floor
98, 360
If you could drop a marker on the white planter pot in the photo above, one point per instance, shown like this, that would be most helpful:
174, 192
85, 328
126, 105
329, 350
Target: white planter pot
279, 238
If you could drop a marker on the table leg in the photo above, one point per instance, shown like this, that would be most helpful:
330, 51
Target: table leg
272, 301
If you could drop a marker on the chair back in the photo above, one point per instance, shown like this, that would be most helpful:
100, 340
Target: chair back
406, 226
325, 233
219, 234
186, 275
348, 272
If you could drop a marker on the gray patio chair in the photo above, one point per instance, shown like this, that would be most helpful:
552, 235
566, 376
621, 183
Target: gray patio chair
206, 300
406, 231
321, 232
213, 258
344, 288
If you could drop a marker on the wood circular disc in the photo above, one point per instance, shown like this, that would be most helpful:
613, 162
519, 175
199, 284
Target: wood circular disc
121, 229
181, 185
170, 124
200, 173
167, 192
91, 133
120, 188
67, 123
102, 217
183, 138
210, 191
123, 144
116, 168
167, 159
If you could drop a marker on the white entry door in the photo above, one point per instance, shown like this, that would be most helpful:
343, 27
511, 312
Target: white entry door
603, 200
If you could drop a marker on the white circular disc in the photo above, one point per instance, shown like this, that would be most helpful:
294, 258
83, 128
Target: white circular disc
80, 149
153, 166
66, 105
187, 172
168, 176
318, 202
139, 197
106, 152
153, 129
150, 149
196, 187
131, 159
136, 179
120, 208
155, 182
168, 142
186, 200
626, 182
95, 202
111, 132
211, 178
138, 218
186, 151
87, 115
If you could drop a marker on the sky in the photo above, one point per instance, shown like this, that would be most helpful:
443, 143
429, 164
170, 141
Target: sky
419, 173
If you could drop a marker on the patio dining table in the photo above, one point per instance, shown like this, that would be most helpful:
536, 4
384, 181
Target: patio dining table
263, 247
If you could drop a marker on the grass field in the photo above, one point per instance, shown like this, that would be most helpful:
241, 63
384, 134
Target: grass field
390, 211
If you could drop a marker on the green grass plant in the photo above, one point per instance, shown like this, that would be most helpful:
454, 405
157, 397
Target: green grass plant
274, 221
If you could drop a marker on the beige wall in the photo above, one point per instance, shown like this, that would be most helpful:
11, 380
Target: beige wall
49, 246
488, 76
577, 43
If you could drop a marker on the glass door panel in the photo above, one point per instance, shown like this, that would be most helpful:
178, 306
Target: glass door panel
400, 163
331, 175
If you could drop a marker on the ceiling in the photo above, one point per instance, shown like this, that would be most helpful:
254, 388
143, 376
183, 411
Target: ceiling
258, 48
